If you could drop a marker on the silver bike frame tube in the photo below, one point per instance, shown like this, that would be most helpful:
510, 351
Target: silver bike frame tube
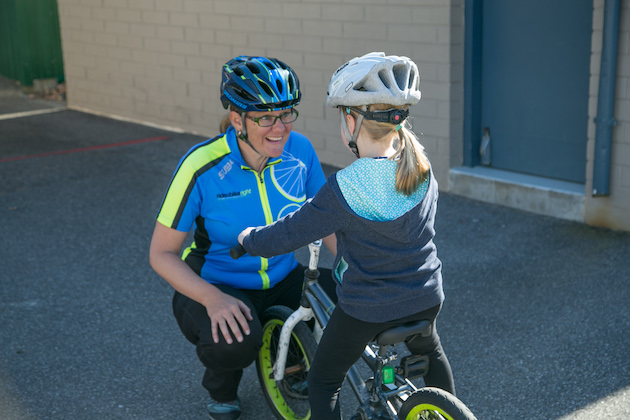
323, 299
320, 314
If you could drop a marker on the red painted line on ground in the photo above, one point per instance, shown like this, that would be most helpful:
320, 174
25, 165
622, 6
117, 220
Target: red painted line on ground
84, 149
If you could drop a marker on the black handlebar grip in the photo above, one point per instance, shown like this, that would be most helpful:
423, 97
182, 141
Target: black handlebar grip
237, 251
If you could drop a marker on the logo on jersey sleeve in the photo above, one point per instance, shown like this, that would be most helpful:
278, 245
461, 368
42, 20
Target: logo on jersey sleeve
226, 168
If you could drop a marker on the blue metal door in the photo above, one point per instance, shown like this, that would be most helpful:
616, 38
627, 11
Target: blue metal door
535, 77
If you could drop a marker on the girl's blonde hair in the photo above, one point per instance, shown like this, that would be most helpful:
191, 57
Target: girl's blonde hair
413, 166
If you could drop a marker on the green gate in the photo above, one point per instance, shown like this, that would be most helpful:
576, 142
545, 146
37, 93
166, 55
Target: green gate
30, 42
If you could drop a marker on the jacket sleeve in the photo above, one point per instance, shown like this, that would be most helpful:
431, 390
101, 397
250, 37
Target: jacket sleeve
316, 219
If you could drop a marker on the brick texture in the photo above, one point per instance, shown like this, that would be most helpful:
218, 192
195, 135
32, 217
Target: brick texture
159, 62
170, 54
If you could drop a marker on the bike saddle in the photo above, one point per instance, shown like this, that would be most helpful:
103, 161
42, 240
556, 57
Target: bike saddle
400, 333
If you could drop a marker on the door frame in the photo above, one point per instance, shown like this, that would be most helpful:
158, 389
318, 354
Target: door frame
473, 15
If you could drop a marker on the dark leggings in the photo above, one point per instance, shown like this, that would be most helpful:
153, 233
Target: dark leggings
224, 362
342, 345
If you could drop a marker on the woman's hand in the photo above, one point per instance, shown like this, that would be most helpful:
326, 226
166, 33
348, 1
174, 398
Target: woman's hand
243, 234
227, 313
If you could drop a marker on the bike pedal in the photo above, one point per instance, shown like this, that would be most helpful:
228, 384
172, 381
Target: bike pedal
414, 366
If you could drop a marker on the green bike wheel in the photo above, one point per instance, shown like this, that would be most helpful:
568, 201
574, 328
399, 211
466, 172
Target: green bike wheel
434, 404
288, 398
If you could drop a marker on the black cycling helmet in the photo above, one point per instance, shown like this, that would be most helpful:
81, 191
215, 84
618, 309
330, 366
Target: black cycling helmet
259, 84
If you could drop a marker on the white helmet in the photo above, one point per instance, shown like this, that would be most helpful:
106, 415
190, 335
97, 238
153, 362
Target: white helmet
375, 79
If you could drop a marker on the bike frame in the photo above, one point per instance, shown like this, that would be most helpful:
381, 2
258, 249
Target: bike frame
316, 303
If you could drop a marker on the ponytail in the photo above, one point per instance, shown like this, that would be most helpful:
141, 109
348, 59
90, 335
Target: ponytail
413, 167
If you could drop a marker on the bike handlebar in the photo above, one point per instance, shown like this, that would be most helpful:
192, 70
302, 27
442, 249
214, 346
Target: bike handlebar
237, 251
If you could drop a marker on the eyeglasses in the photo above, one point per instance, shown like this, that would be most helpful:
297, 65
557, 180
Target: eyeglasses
269, 120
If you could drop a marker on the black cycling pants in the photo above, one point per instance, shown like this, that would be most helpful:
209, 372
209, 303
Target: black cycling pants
224, 362
342, 345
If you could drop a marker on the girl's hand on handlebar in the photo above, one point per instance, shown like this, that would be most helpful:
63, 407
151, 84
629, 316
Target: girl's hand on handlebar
228, 313
243, 234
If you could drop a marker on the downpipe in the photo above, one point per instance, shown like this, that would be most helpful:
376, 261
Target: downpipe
605, 120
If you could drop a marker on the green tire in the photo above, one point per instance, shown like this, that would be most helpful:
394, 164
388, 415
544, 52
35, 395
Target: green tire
434, 404
288, 399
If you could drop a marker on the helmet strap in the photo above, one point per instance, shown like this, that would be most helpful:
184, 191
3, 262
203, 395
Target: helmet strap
242, 135
352, 142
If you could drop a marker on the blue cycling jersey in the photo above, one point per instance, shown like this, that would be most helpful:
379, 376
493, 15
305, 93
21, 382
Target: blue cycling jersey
214, 192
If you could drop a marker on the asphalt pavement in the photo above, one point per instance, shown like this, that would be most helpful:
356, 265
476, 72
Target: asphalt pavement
536, 321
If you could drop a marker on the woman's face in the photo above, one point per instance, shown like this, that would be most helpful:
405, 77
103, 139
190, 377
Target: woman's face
268, 141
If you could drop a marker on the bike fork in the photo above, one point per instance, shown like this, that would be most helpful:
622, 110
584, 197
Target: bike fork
302, 314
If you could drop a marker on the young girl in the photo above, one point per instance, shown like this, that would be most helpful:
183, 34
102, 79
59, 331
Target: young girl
382, 209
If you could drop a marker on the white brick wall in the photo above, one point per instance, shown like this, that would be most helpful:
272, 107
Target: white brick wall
159, 61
